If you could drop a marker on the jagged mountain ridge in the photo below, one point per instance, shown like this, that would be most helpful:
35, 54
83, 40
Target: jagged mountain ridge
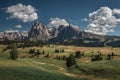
39, 32
62, 34
14, 35
70, 35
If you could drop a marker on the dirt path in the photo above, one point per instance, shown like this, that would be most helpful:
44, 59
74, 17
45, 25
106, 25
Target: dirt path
63, 71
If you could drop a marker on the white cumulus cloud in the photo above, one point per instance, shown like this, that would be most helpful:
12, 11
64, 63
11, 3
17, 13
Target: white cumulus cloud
116, 11
11, 31
18, 26
25, 13
103, 20
55, 22
85, 19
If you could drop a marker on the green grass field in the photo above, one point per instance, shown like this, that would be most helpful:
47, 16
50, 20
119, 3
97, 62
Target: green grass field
39, 68
31, 69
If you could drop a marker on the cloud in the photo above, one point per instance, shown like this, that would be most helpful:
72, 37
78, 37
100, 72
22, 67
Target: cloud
85, 19
18, 26
25, 13
116, 11
11, 31
55, 22
103, 20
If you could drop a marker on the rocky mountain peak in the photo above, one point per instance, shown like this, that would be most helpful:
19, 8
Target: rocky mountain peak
66, 32
38, 32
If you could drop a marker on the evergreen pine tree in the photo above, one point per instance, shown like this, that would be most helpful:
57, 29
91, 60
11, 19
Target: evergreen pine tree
14, 52
70, 61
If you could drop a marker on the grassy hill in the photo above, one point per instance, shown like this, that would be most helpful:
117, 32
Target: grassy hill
31, 69
108, 70
40, 68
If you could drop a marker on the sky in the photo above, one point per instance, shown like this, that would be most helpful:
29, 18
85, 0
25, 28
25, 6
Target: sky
95, 16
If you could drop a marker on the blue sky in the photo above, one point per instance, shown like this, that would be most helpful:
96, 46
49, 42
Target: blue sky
73, 11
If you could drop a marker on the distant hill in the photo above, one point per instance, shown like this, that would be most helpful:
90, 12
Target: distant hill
14, 35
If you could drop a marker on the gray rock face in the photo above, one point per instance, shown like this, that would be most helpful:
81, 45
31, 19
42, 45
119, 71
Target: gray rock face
38, 32
66, 32
55, 31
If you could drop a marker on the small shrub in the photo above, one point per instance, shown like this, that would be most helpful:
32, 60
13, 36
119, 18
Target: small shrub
109, 57
97, 57
57, 51
78, 54
62, 51
43, 52
31, 51
47, 55
64, 58
112, 54
38, 52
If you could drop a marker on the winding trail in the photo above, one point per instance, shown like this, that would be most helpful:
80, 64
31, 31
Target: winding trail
63, 71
